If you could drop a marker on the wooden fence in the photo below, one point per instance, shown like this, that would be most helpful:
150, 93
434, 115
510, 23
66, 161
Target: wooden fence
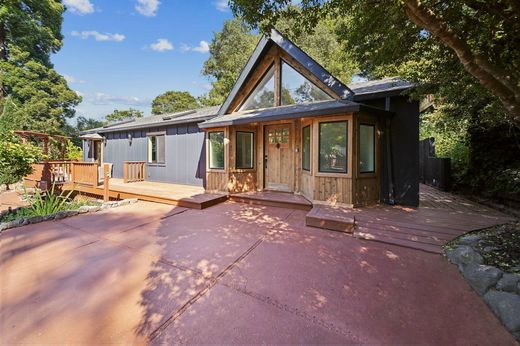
46, 173
134, 171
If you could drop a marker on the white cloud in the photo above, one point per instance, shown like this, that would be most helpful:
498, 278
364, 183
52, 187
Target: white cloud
203, 47
107, 99
221, 5
147, 8
79, 6
98, 36
73, 80
161, 45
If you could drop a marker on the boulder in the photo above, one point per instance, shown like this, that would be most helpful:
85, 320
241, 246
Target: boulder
463, 255
508, 282
35, 219
469, 239
481, 277
65, 213
507, 307
4, 226
84, 209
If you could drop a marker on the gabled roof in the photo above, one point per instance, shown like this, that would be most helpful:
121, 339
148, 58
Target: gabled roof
185, 117
341, 90
379, 88
302, 110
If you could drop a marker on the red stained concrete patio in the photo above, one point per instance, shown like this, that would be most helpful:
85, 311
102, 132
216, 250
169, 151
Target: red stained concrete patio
232, 273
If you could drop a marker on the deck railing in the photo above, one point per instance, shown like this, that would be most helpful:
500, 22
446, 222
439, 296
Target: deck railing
85, 173
134, 171
46, 173
60, 171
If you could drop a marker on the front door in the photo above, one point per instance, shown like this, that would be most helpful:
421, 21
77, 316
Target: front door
278, 157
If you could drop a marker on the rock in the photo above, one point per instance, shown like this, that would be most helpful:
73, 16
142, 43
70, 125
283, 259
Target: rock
507, 307
481, 277
94, 208
132, 200
35, 219
463, 255
508, 282
517, 336
83, 209
123, 202
488, 249
4, 226
65, 213
49, 217
469, 239
24, 221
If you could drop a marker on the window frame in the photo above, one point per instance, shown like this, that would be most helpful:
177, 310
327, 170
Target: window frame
149, 136
310, 148
341, 173
374, 148
267, 70
223, 168
252, 167
282, 61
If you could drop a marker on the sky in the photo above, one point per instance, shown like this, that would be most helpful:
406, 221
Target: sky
119, 54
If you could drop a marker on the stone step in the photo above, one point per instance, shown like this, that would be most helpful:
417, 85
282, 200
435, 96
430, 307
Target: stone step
273, 199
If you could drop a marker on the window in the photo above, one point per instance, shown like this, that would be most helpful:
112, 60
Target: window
366, 148
298, 89
156, 148
278, 136
245, 152
263, 94
333, 147
306, 148
216, 150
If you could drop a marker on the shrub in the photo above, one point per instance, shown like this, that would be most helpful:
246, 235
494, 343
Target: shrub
73, 152
48, 203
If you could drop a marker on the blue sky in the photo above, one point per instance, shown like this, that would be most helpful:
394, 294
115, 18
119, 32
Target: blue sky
119, 54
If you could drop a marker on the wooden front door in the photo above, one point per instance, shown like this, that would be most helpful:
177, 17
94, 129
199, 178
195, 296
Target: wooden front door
278, 157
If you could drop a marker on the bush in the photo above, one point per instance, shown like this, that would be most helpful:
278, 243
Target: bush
72, 152
16, 159
48, 203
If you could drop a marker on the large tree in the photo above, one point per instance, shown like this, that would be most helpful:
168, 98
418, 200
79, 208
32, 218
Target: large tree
32, 95
173, 101
122, 115
482, 36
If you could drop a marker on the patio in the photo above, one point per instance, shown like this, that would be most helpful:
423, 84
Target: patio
232, 273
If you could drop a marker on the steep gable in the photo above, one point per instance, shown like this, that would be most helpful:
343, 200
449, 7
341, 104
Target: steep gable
262, 80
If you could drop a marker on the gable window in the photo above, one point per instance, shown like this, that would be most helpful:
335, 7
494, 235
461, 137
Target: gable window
366, 148
333, 147
306, 148
216, 150
262, 95
156, 148
245, 150
298, 89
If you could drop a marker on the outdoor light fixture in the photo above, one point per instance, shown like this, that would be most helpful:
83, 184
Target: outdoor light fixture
130, 138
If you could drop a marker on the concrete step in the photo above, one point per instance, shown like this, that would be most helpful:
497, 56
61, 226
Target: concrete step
390, 239
273, 199
331, 218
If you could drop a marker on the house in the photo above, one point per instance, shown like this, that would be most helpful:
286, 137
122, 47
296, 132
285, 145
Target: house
287, 125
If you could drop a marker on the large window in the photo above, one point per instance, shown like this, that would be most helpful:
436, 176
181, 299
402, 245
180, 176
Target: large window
263, 94
366, 148
333, 147
306, 148
298, 89
245, 151
216, 150
156, 148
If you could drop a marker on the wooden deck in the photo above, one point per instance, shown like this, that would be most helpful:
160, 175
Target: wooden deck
273, 199
175, 194
440, 218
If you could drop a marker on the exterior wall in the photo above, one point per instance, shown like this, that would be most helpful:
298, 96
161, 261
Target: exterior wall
399, 146
351, 188
184, 154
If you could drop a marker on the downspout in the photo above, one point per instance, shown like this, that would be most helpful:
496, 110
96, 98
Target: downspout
389, 166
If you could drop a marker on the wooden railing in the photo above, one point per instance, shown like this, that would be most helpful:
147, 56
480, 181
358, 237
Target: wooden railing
60, 171
85, 173
134, 171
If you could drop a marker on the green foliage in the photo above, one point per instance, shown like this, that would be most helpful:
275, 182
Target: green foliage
84, 124
73, 152
43, 204
16, 159
229, 50
174, 101
122, 115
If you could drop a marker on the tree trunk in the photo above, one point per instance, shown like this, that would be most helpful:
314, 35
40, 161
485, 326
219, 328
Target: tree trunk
490, 76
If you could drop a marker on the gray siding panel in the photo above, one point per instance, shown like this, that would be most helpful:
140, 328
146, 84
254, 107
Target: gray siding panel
184, 152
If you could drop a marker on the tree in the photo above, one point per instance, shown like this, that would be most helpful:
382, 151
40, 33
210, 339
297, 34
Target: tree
122, 115
174, 101
84, 124
482, 36
32, 95
16, 159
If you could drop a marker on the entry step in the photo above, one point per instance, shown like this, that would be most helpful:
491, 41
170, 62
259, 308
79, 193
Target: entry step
273, 199
331, 218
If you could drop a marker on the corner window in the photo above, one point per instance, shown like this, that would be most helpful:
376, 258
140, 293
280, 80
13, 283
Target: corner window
333, 147
306, 148
156, 149
216, 150
245, 150
263, 94
366, 148
298, 89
